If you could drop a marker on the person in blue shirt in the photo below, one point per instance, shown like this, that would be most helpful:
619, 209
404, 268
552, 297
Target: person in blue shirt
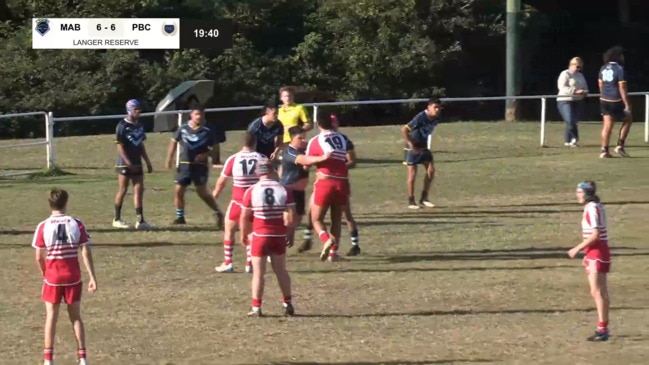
269, 132
130, 137
196, 141
416, 134
614, 101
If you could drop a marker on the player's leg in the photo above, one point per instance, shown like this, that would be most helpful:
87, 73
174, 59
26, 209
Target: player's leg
307, 243
599, 291
607, 127
138, 201
199, 178
257, 247
428, 180
336, 216
51, 296
278, 262
353, 231
74, 313
183, 179
123, 181
412, 176
322, 194
627, 120
232, 215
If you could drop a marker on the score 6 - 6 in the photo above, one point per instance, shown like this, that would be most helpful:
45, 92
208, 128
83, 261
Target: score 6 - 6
111, 28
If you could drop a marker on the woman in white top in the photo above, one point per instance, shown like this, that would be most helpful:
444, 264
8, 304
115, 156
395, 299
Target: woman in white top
572, 90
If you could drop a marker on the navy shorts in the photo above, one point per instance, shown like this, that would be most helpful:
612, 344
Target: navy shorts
613, 108
130, 171
423, 157
188, 174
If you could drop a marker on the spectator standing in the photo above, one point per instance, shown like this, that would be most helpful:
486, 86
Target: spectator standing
572, 90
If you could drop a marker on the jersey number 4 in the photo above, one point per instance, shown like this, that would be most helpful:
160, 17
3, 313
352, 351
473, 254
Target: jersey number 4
336, 142
248, 166
607, 75
61, 233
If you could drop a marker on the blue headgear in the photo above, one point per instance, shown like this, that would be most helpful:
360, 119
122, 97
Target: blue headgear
588, 187
132, 105
263, 167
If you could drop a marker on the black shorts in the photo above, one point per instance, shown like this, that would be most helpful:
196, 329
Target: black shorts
299, 196
613, 108
188, 174
130, 171
423, 157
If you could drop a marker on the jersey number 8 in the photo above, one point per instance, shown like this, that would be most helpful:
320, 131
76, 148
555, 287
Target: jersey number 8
607, 75
269, 196
335, 142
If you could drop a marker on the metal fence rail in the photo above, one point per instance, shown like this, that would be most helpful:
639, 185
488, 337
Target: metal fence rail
48, 141
51, 119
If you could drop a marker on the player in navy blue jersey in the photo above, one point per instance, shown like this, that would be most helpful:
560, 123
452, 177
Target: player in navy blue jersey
130, 137
416, 134
614, 101
295, 175
196, 142
269, 132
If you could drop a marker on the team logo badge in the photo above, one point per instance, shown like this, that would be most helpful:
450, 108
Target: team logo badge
169, 28
42, 26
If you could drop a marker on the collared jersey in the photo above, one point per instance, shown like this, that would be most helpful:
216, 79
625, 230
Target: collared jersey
611, 76
242, 168
291, 116
131, 136
61, 236
268, 200
420, 127
292, 172
193, 142
265, 135
335, 143
595, 218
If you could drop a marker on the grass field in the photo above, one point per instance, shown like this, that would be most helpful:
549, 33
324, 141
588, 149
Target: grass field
482, 278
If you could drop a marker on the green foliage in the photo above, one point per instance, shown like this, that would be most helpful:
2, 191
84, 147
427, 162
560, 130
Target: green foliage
351, 48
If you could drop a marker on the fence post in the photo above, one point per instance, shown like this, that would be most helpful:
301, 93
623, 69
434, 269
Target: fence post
315, 118
180, 124
49, 137
646, 118
543, 110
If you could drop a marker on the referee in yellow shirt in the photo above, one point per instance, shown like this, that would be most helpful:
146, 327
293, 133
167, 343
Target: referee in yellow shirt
291, 114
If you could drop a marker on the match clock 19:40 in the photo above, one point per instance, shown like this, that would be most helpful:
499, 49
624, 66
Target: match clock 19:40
206, 34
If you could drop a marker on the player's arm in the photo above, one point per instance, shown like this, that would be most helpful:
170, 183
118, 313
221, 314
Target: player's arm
245, 221
171, 150
88, 262
351, 159
38, 242
304, 118
145, 156
279, 144
624, 92
405, 132
291, 223
305, 160
219, 186
120, 141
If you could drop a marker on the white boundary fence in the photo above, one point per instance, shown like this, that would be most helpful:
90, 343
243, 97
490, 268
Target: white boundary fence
48, 141
50, 119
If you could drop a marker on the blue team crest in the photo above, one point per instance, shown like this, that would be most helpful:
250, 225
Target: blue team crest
169, 28
42, 26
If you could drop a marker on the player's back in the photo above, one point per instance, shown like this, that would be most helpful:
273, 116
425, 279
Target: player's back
242, 168
61, 236
334, 143
610, 76
595, 217
268, 200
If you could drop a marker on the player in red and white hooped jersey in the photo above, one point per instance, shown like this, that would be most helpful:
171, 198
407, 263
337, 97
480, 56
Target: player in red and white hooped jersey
598, 254
57, 241
241, 168
331, 188
268, 225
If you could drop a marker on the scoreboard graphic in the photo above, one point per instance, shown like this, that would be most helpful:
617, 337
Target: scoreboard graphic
131, 33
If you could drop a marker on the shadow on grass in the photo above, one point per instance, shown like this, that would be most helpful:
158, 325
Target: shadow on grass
16, 232
431, 269
440, 213
622, 202
459, 312
391, 362
531, 253
123, 245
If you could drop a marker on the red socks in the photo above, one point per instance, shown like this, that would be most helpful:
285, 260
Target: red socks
48, 354
227, 252
602, 326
